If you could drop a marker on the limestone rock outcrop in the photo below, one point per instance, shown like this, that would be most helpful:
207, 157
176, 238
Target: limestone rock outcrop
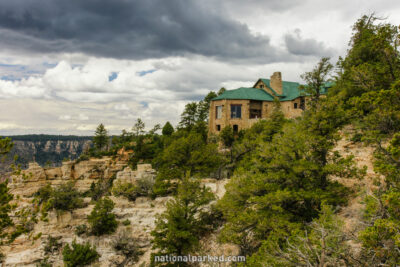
130, 176
139, 216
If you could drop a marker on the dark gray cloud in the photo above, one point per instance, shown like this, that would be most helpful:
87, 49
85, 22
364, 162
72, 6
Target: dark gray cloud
270, 6
129, 29
305, 47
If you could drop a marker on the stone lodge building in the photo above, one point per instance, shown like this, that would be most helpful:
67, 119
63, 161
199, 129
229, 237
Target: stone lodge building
242, 107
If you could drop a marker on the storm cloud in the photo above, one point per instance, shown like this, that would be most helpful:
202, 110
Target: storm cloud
296, 45
129, 29
68, 65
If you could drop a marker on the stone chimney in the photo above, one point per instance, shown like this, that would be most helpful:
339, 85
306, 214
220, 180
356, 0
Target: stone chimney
276, 82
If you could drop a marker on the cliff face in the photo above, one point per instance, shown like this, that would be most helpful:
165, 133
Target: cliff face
45, 151
28, 249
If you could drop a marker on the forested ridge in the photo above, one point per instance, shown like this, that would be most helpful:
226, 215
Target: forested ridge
281, 203
47, 150
48, 137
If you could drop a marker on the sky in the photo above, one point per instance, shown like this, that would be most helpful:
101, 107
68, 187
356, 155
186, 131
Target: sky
68, 65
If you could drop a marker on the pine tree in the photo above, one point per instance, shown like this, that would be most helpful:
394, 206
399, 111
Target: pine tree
189, 116
179, 228
221, 91
138, 128
101, 219
100, 139
167, 129
321, 243
204, 106
5, 196
316, 78
189, 153
5, 145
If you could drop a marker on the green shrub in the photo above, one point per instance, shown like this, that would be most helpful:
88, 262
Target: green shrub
79, 254
101, 219
127, 246
126, 222
44, 193
81, 229
356, 138
52, 244
26, 222
143, 187
82, 157
99, 189
44, 263
66, 197
127, 190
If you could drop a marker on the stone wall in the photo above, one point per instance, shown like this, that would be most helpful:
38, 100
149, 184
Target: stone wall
288, 108
245, 122
242, 123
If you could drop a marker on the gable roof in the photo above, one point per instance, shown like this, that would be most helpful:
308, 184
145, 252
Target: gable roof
290, 90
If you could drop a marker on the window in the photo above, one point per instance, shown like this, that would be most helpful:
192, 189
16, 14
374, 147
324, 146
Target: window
235, 128
255, 113
218, 113
295, 105
302, 103
236, 111
218, 127
261, 86
255, 109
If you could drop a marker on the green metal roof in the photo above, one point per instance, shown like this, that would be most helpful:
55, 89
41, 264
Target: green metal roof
291, 91
246, 93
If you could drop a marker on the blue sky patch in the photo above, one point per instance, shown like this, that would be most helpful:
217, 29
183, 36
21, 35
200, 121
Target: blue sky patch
10, 78
112, 76
145, 72
49, 65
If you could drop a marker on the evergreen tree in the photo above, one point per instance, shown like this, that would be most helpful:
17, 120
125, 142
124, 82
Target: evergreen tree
101, 219
372, 62
100, 138
188, 154
167, 129
221, 91
227, 136
204, 106
179, 228
189, 116
368, 89
5, 197
283, 182
321, 243
138, 128
5, 208
5, 146
316, 78
381, 245
78, 255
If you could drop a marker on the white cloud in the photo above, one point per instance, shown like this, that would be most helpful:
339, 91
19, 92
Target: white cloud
70, 93
83, 117
64, 117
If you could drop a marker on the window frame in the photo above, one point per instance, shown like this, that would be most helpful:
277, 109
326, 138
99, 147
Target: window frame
234, 107
216, 112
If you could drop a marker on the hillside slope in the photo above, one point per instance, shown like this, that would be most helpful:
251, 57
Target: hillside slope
28, 249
